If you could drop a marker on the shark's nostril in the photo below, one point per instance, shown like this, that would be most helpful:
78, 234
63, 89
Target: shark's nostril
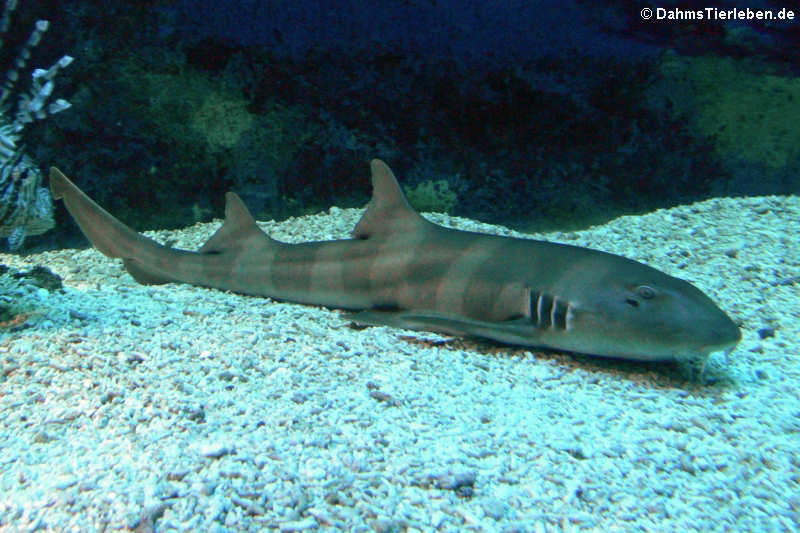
632, 302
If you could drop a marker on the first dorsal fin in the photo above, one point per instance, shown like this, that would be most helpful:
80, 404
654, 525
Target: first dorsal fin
388, 210
239, 228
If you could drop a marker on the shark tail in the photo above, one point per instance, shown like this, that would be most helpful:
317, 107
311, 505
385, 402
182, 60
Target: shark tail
110, 236
147, 261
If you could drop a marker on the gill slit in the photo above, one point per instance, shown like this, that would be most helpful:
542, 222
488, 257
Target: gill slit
547, 311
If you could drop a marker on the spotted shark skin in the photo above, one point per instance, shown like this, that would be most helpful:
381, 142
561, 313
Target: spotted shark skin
403, 271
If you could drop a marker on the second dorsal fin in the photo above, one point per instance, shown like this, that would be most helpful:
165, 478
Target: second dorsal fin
239, 229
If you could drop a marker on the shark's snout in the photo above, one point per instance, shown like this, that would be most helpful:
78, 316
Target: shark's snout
723, 334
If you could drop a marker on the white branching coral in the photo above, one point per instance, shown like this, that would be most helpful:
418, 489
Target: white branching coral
26, 207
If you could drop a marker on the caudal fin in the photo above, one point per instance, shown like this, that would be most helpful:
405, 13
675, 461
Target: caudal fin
150, 262
110, 236
104, 231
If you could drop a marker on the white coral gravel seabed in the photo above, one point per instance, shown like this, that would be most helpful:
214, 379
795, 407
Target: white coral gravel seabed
177, 408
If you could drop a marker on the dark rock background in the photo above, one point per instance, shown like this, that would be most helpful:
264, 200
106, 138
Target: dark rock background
531, 114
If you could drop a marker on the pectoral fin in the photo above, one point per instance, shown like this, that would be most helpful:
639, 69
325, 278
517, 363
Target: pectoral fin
513, 331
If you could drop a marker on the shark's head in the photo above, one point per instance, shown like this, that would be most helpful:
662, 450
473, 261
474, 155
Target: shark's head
636, 312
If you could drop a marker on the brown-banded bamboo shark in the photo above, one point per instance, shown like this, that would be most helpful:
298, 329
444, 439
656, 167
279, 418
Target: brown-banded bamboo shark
401, 270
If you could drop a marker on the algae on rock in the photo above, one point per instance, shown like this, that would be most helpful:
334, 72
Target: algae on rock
745, 105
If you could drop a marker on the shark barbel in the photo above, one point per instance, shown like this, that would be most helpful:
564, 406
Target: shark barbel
404, 271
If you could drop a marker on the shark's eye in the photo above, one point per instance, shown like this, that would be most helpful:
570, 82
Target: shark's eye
645, 292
